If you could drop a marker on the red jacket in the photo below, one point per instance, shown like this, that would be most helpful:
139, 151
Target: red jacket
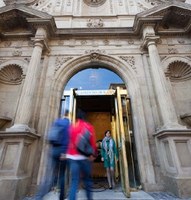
76, 129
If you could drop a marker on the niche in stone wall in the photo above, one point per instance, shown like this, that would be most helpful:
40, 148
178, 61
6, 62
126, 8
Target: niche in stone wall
179, 73
11, 77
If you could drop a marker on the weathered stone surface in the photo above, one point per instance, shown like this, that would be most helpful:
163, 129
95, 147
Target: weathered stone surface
147, 43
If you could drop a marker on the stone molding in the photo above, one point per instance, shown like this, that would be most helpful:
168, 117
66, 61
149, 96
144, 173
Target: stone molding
26, 2
33, 18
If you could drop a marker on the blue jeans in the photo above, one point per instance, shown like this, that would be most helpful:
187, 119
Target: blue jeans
55, 171
80, 168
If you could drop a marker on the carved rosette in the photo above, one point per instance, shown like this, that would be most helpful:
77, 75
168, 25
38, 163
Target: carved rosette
94, 3
11, 74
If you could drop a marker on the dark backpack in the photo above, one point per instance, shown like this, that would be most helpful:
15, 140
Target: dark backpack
55, 134
83, 143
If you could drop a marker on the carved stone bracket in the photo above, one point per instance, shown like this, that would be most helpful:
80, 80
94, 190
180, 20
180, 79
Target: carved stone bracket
95, 54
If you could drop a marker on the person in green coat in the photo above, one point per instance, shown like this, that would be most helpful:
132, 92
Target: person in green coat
108, 154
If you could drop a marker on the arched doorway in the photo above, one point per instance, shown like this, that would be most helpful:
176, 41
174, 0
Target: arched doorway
103, 95
128, 75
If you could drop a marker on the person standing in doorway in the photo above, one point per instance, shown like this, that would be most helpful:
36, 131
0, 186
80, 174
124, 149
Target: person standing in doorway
108, 154
57, 163
80, 165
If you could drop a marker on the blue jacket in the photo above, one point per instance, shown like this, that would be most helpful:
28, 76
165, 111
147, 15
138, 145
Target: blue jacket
64, 137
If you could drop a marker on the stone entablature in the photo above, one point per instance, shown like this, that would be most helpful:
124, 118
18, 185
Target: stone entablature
95, 7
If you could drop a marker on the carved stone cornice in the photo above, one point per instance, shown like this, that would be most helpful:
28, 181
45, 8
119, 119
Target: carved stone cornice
26, 2
48, 24
169, 18
16, 16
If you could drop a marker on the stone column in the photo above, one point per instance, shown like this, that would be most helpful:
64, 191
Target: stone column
27, 101
166, 107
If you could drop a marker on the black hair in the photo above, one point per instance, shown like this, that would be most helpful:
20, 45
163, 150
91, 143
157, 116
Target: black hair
66, 112
107, 131
81, 114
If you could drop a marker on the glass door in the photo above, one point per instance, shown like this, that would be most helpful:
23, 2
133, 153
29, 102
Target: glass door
121, 141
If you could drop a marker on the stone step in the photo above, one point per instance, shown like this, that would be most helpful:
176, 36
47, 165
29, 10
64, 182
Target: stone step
105, 195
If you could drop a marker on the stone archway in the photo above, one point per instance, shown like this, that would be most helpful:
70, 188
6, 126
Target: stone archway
128, 76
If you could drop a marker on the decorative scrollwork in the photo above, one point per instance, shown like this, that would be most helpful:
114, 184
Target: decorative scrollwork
60, 60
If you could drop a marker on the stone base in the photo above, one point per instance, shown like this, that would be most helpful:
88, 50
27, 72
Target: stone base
20, 128
14, 188
178, 186
152, 187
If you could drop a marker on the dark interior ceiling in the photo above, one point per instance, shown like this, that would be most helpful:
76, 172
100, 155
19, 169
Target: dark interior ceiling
96, 103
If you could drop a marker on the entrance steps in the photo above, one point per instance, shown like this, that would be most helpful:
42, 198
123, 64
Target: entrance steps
116, 195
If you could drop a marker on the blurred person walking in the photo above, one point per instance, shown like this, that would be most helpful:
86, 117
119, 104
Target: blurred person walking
57, 162
108, 154
80, 164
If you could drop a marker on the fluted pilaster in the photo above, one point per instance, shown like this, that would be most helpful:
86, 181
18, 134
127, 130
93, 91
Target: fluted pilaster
27, 101
164, 100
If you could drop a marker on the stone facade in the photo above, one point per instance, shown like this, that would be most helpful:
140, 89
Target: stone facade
146, 42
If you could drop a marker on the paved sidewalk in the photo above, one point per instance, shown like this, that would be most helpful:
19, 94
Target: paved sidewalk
116, 194
101, 192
